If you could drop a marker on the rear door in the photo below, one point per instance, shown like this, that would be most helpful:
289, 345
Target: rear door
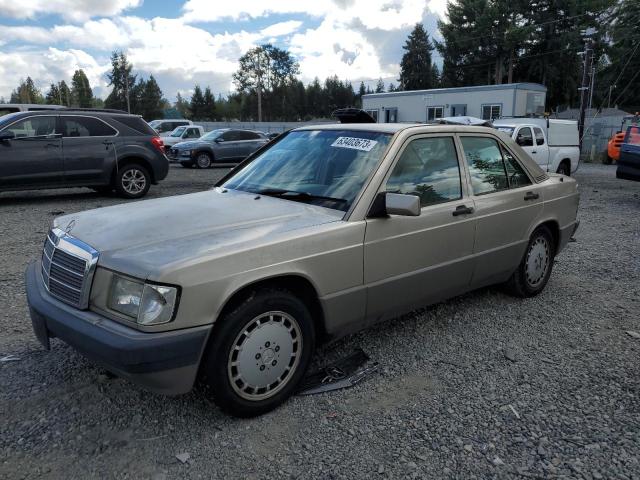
252, 141
231, 147
411, 261
542, 148
33, 158
89, 148
524, 138
507, 205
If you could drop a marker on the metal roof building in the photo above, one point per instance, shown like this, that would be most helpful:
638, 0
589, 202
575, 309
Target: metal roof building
482, 101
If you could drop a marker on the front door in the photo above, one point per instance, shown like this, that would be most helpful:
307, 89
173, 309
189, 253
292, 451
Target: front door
89, 147
458, 110
412, 261
33, 158
507, 205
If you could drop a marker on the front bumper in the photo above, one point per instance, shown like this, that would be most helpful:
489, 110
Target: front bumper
164, 362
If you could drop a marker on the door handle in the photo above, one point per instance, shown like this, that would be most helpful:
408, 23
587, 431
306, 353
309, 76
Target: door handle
531, 196
534, 151
52, 145
462, 210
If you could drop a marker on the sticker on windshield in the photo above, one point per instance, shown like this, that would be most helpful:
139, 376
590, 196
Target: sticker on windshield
363, 144
505, 129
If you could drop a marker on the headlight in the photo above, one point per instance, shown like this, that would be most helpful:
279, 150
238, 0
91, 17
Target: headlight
145, 303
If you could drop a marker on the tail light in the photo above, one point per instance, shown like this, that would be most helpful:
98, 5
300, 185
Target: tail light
158, 143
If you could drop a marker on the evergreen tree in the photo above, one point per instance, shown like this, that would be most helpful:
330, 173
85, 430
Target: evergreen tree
392, 88
53, 95
122, 81
380, 86
621, 76
415, 67
27, 92
182, 106
65, 94
151, 102
209, 106
81, 93
197, 104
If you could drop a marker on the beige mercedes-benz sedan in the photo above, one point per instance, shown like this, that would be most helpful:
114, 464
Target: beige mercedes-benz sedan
320, 233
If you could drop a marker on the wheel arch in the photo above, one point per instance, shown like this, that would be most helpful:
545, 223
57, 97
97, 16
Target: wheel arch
298, 284
554, 228
133, 159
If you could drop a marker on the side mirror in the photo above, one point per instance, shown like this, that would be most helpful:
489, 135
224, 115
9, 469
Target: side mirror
7, 135
387, 203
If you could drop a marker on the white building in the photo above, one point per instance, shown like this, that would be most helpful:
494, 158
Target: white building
483, 101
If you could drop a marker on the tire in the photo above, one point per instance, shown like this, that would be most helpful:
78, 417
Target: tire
203, 160
607, 160
535, 268
279, 325
564, 168
132, 181
187, 164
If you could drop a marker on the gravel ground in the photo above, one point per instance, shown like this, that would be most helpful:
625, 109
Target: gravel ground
481, 386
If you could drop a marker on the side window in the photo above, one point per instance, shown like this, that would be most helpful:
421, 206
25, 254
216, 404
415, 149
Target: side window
491, 112
246, 135
539, 136
524, 137
428, 168
231, 136
33, 127
632, 137
85, 127
192, 133
485, 164
517, 176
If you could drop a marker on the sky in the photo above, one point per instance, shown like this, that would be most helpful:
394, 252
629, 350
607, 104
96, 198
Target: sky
188, 42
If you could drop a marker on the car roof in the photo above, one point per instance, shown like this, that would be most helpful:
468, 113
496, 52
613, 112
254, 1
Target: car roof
72, 111
393, 128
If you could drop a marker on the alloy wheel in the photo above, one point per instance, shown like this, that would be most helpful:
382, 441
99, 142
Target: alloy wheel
264, 355
133, 181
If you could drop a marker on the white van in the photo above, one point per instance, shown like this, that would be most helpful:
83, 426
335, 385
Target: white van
554, 144
6, 108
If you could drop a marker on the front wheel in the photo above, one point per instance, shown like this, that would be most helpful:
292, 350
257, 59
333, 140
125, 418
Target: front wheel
535, 268
132, 181
203, 160
259, 352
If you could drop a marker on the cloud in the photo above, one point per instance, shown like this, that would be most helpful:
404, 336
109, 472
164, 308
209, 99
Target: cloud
354, 39
74, 10
281, 29
48, 67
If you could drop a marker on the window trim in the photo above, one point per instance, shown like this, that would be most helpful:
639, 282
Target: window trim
90, 136
55, 135
503, 149
482, 105
434, 117
386, 110
533, 137
464, 191
504, 167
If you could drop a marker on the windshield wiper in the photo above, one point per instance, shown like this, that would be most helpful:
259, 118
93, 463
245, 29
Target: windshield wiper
295, 195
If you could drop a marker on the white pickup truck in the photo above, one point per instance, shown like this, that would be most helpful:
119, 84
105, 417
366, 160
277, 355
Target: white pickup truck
183, 134
553, 144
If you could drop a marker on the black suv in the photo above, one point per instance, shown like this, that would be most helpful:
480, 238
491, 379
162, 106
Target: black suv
100, 149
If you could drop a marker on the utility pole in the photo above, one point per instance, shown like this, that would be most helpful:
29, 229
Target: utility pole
584, 86
592, 84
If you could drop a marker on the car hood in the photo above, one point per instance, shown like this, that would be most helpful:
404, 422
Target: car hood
147, 237
190, 144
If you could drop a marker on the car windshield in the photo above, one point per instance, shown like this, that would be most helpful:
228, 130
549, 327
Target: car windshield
178, 132
505, 129
322, 167
212, 135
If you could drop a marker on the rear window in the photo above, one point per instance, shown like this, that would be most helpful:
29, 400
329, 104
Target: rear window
7, 110
85, 127
633, 136
137, 124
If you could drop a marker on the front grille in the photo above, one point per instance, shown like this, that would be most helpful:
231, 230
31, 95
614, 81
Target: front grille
67, 267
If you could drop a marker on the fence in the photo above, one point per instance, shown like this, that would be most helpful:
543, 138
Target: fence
266, 127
